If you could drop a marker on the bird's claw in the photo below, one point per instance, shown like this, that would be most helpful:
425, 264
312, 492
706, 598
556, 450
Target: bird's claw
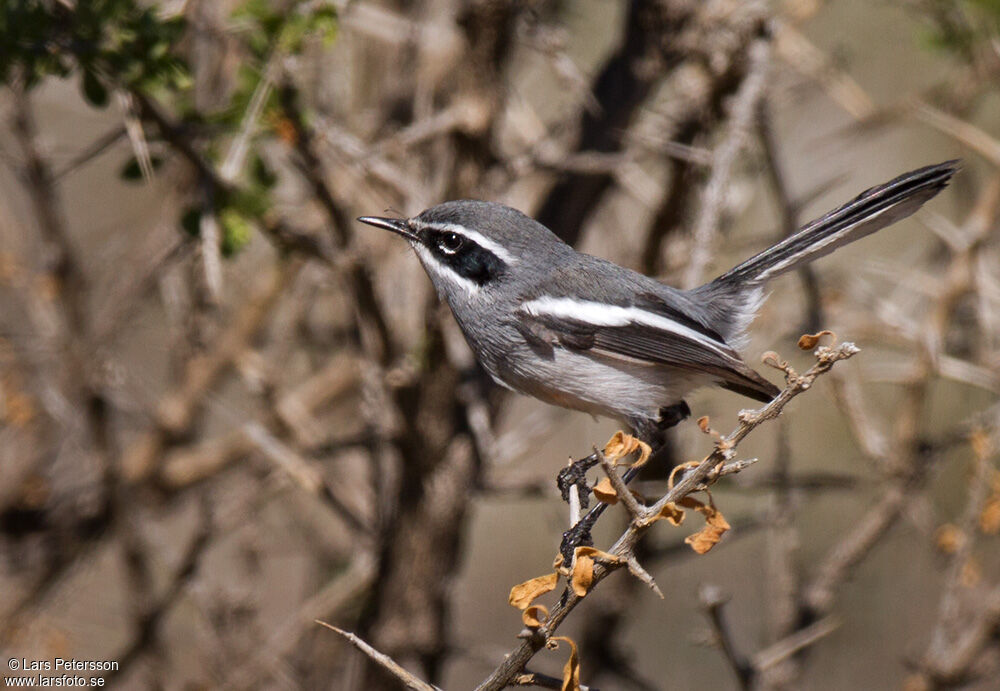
575, 475
577, 536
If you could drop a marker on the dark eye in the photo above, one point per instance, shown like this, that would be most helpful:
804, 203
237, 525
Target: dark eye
450, 242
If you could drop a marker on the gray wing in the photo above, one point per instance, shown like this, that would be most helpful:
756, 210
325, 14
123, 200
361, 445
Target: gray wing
647, 330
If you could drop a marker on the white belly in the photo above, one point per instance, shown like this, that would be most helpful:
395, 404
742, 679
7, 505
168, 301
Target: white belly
596, 384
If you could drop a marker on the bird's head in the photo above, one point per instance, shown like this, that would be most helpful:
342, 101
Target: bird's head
471, 248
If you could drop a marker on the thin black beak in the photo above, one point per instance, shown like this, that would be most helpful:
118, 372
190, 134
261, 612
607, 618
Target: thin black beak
395, 225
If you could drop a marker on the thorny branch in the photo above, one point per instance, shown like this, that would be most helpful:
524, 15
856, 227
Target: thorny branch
386, 662
643, 517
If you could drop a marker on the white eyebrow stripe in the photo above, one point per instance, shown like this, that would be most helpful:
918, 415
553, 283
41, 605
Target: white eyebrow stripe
474, 235
600, 314
444, 271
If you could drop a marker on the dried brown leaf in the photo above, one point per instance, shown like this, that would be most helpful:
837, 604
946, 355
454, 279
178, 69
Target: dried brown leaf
583, 575
772, 359
571, 670
645, 451
679, 469
705, 539
605, 491
810, 341
670, 512
716, 525
521, 595
534, 616
621, 445
598, 555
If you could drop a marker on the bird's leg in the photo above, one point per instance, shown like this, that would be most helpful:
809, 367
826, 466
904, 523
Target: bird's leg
579, 535
575, 474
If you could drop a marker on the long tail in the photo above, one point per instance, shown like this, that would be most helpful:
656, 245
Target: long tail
732, 299
870, 211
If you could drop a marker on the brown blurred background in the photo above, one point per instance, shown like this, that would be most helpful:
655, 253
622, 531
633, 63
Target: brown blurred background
227, 409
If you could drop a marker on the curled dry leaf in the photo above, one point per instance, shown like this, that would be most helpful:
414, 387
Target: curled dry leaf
810, 341
716, 525
706, 538
583, 575
679, 469
521, 595
703, 424
571, 670
771, 359
534, 616
598, 554
671, 512
621, 445
605, 491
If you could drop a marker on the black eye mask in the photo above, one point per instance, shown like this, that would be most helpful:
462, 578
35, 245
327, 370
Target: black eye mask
468, 259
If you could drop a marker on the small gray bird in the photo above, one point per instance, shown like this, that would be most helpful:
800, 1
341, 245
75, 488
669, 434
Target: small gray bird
583, 333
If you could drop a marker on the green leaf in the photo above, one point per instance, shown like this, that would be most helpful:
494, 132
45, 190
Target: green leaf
325, 25
236, 231
250, 203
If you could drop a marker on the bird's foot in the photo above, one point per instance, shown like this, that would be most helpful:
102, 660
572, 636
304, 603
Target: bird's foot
673, 415
575, 475
579, 535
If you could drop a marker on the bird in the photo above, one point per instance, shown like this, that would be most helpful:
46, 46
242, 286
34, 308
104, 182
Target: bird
583, 333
